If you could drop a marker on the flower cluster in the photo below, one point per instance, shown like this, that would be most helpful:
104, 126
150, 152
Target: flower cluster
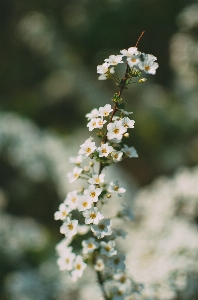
136, 60
81, 211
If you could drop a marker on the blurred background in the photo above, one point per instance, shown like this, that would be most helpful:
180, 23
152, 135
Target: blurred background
49, 51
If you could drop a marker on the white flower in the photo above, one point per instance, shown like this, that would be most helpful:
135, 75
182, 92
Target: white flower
129, 151
126, 112
89, 245
126, 122
131, 51
119, 232
127, 212
99, 265
92, 124
105, 111
115, 130
148, 65
115, 188
133, 60
114, 60
102, 229
72, 200
65, 262
122, 278
92, 216
74, 174
93, 114
116, 156
62, 213
117, 262
104, 150
82, 229
77, 160
84, 203
106, 76
62, 246
102, 69
150, 56
78, 268
69, 227
88, 147
100, 122
92, 193
96, 179
108, 248
96, 123
119, 292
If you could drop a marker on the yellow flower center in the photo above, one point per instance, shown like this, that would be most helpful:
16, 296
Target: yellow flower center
93, 194
116, 130
88, 150
147, 68
101, 226
70, 226
107, 248
116, 188
92, 216
74, 200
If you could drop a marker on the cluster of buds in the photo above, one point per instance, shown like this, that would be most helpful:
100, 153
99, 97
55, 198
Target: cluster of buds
80, 211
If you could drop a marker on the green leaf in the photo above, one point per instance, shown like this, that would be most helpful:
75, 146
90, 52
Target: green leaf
121, 105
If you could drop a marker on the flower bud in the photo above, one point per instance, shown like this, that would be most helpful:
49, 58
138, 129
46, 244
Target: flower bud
80, 189
91, 163
126, 135
86, 168
108, 195
142, 80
